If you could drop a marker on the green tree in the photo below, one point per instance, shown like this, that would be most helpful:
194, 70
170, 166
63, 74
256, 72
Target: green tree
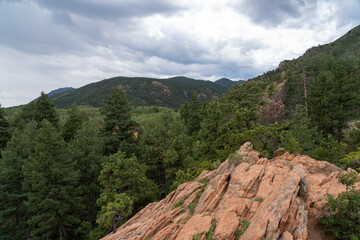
204, 148
115, 212
4, 133
332, 99
13, 212
45, 109
86, 153
49, 182
118, 126
231, 134
302, 136
265, 139
352, 138
74, 122
191, 113
351, 160
341, 215
329, 150
120, 178
39, 110
166, 148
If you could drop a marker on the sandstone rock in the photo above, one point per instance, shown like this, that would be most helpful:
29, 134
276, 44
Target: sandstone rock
280, 198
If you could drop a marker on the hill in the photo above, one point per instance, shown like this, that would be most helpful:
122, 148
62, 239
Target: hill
57, 91
227, 82
255, 198
346, 47
171, 92
326, 68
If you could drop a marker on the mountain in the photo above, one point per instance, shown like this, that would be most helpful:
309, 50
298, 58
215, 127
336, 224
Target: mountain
291, 83
170, 92
57, 91
253, 198
346, 47
225, 82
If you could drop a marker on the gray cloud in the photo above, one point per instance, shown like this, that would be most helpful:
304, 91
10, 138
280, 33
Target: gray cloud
110, 10
275, 12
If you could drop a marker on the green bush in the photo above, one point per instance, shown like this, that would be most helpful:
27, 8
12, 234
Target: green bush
341, 215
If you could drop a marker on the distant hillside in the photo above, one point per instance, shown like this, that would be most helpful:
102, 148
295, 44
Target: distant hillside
171, 92
225, 82
57, 91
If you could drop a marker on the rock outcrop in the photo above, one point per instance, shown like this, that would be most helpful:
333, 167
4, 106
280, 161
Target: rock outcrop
254, 199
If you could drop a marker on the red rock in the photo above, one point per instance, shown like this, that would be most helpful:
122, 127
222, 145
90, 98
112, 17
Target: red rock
263, 192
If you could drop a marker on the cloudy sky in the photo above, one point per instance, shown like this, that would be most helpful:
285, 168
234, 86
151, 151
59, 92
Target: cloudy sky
48, 44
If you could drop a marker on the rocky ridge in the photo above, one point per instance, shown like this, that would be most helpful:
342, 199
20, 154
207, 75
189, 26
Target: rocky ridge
253, 198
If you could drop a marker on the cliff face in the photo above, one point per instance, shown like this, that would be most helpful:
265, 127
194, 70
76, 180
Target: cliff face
278, 199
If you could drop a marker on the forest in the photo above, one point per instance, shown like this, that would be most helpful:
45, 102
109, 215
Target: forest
80, 177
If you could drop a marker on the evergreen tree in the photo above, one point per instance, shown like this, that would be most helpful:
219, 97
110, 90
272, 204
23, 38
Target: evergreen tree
45, 109
191, 113
332, 99
86, 152
118, 126
49, 182
166, 148
39, 110
4, 133
329, 150
73, 123
13, 212
302, 133
122, 178
204, 148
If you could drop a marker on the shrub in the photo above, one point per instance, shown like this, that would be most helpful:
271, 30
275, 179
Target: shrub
235, 159
341, 215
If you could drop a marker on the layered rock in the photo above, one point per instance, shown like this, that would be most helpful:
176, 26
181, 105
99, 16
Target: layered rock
278, 199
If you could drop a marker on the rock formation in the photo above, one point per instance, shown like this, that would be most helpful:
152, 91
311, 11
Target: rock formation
254, 198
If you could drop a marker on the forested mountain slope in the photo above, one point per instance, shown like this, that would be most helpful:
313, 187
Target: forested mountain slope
171, 92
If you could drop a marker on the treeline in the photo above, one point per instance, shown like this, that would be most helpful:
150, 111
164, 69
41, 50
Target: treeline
80, 180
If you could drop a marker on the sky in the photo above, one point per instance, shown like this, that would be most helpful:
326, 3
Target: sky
49, 44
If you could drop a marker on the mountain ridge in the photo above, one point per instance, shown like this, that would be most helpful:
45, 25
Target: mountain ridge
168, 92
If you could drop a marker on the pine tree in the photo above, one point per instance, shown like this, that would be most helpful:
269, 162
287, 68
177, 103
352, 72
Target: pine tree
124, 186
13, 212
118, 126
39, 110
86, 152
45, 109
4, 133
166, 148
332, 99
191, 113
50, 181
73, 123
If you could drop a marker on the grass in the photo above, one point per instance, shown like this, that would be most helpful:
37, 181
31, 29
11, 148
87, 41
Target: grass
244, 224
178, 203
210, 233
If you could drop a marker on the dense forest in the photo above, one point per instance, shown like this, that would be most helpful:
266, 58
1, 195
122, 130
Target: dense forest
77, 177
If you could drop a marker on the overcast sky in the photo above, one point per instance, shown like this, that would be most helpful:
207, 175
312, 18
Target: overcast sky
48, 44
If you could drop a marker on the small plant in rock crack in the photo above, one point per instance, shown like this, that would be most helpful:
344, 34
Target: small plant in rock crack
235, 159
